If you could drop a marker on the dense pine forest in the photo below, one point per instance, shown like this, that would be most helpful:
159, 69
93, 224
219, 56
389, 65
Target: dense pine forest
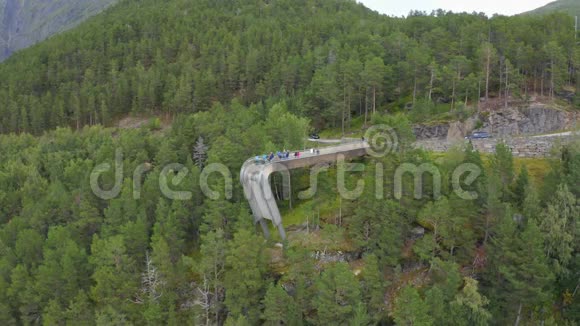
331, 59
241, 78
69, 257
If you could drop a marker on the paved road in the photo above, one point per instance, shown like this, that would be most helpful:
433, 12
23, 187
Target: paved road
334, 141
561, 134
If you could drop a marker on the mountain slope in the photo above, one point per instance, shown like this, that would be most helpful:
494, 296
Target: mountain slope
25, 22
571, 7
329, 59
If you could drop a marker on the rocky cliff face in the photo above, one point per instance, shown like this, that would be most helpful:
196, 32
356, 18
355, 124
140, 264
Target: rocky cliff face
533, 120
431, 131
536, 119
25, 22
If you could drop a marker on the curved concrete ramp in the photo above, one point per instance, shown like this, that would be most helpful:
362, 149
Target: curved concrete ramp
255, 178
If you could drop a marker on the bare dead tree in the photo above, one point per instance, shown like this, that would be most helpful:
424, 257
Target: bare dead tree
200, 152
203, 299
151, 282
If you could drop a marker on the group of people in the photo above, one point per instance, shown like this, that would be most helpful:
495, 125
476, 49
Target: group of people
284, 155
281, 155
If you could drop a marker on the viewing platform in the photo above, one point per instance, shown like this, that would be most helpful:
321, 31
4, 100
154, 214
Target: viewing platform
255, 177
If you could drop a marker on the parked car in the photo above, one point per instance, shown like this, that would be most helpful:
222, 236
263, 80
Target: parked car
314, 136
479, 135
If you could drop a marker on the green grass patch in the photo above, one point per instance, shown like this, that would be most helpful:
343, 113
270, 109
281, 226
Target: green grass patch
538, 168
329, 239
310, 211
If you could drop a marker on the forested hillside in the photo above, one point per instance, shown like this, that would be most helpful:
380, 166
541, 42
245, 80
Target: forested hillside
69, 257
571, 7
330, 59
247, 77
25, 22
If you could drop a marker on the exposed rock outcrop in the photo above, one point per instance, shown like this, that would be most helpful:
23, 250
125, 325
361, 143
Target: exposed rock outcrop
458, 130
430, 132
333, 257
536, 119
533, 120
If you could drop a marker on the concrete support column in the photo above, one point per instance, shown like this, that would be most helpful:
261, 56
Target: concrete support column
282, 232
264, 225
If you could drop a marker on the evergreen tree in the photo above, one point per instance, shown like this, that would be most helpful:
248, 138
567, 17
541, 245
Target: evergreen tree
80, 310
447, 280
531, 205
212, 268
374, 74
64, 270
373, 288
468, 308
559, 226
520, 186
115, 277
301, 272
338, 295
360, 318
487, 54
410, 309
375, 226
170, 226
502, 164
244, 276
522, 268
279, 307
